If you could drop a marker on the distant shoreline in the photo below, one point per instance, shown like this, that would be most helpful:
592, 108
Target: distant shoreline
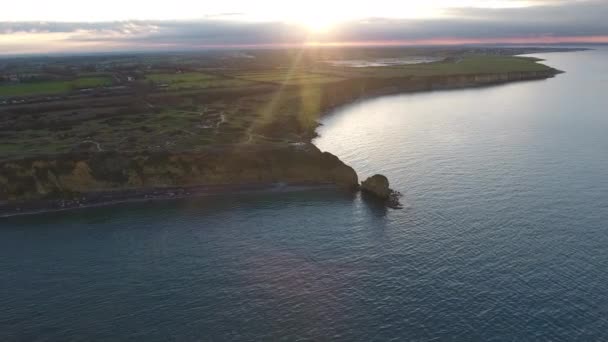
560, 47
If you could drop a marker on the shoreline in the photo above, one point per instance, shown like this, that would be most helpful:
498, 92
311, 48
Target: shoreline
110, 198
143, 194
535, 76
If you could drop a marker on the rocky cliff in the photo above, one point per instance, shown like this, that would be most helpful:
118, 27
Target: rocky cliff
69, 176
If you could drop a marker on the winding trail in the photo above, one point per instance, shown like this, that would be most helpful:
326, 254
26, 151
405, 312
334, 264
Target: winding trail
99, 149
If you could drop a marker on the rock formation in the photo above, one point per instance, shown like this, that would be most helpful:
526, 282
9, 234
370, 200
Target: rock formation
378, 186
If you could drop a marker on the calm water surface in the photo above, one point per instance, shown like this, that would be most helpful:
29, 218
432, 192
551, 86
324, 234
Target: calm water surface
504, 235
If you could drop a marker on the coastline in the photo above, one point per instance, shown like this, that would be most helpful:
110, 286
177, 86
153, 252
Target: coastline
285, 181
110, 198
447, 83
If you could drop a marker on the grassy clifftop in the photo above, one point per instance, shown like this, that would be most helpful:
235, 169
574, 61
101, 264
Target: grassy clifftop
176, 121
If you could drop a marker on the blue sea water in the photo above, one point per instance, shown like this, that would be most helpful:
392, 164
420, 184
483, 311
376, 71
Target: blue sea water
503, 235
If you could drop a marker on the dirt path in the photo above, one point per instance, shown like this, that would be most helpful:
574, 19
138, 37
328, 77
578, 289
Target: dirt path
99, 149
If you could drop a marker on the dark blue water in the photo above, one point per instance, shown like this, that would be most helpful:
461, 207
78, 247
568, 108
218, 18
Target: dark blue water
504, 235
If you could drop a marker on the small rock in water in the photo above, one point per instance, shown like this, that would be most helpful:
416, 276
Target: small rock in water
378, 186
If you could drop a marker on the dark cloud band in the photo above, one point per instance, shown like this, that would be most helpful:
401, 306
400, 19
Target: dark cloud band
552, 18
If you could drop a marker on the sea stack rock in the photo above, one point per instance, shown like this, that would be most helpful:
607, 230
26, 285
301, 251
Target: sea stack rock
378, 186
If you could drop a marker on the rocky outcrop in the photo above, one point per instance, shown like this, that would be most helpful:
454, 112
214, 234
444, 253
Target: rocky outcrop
379, 187
72, 175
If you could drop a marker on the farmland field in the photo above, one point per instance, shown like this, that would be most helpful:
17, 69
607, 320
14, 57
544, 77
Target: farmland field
467, 65
287, 77
52, 87
205, 106
188, 80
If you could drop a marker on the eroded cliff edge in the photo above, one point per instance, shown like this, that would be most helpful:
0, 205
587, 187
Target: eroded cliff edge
73, 175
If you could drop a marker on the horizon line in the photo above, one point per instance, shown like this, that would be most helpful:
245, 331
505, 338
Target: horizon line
435, 42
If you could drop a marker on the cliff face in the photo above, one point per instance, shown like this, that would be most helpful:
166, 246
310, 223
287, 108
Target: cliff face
67, 176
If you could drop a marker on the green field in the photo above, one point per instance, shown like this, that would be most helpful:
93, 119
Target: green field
287, 77
194, 80
472, 64
91, 82
52, 87
243, 104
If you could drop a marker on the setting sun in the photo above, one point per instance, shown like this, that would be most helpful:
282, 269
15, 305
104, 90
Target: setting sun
318, 21
318, 26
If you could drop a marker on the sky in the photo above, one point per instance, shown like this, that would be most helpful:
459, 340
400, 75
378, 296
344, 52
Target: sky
71, 26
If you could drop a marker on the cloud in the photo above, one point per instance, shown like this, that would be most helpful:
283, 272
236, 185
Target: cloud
543, 20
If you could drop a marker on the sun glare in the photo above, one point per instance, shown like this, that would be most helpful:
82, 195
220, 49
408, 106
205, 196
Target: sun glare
325, 16
318, 19
318, 25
